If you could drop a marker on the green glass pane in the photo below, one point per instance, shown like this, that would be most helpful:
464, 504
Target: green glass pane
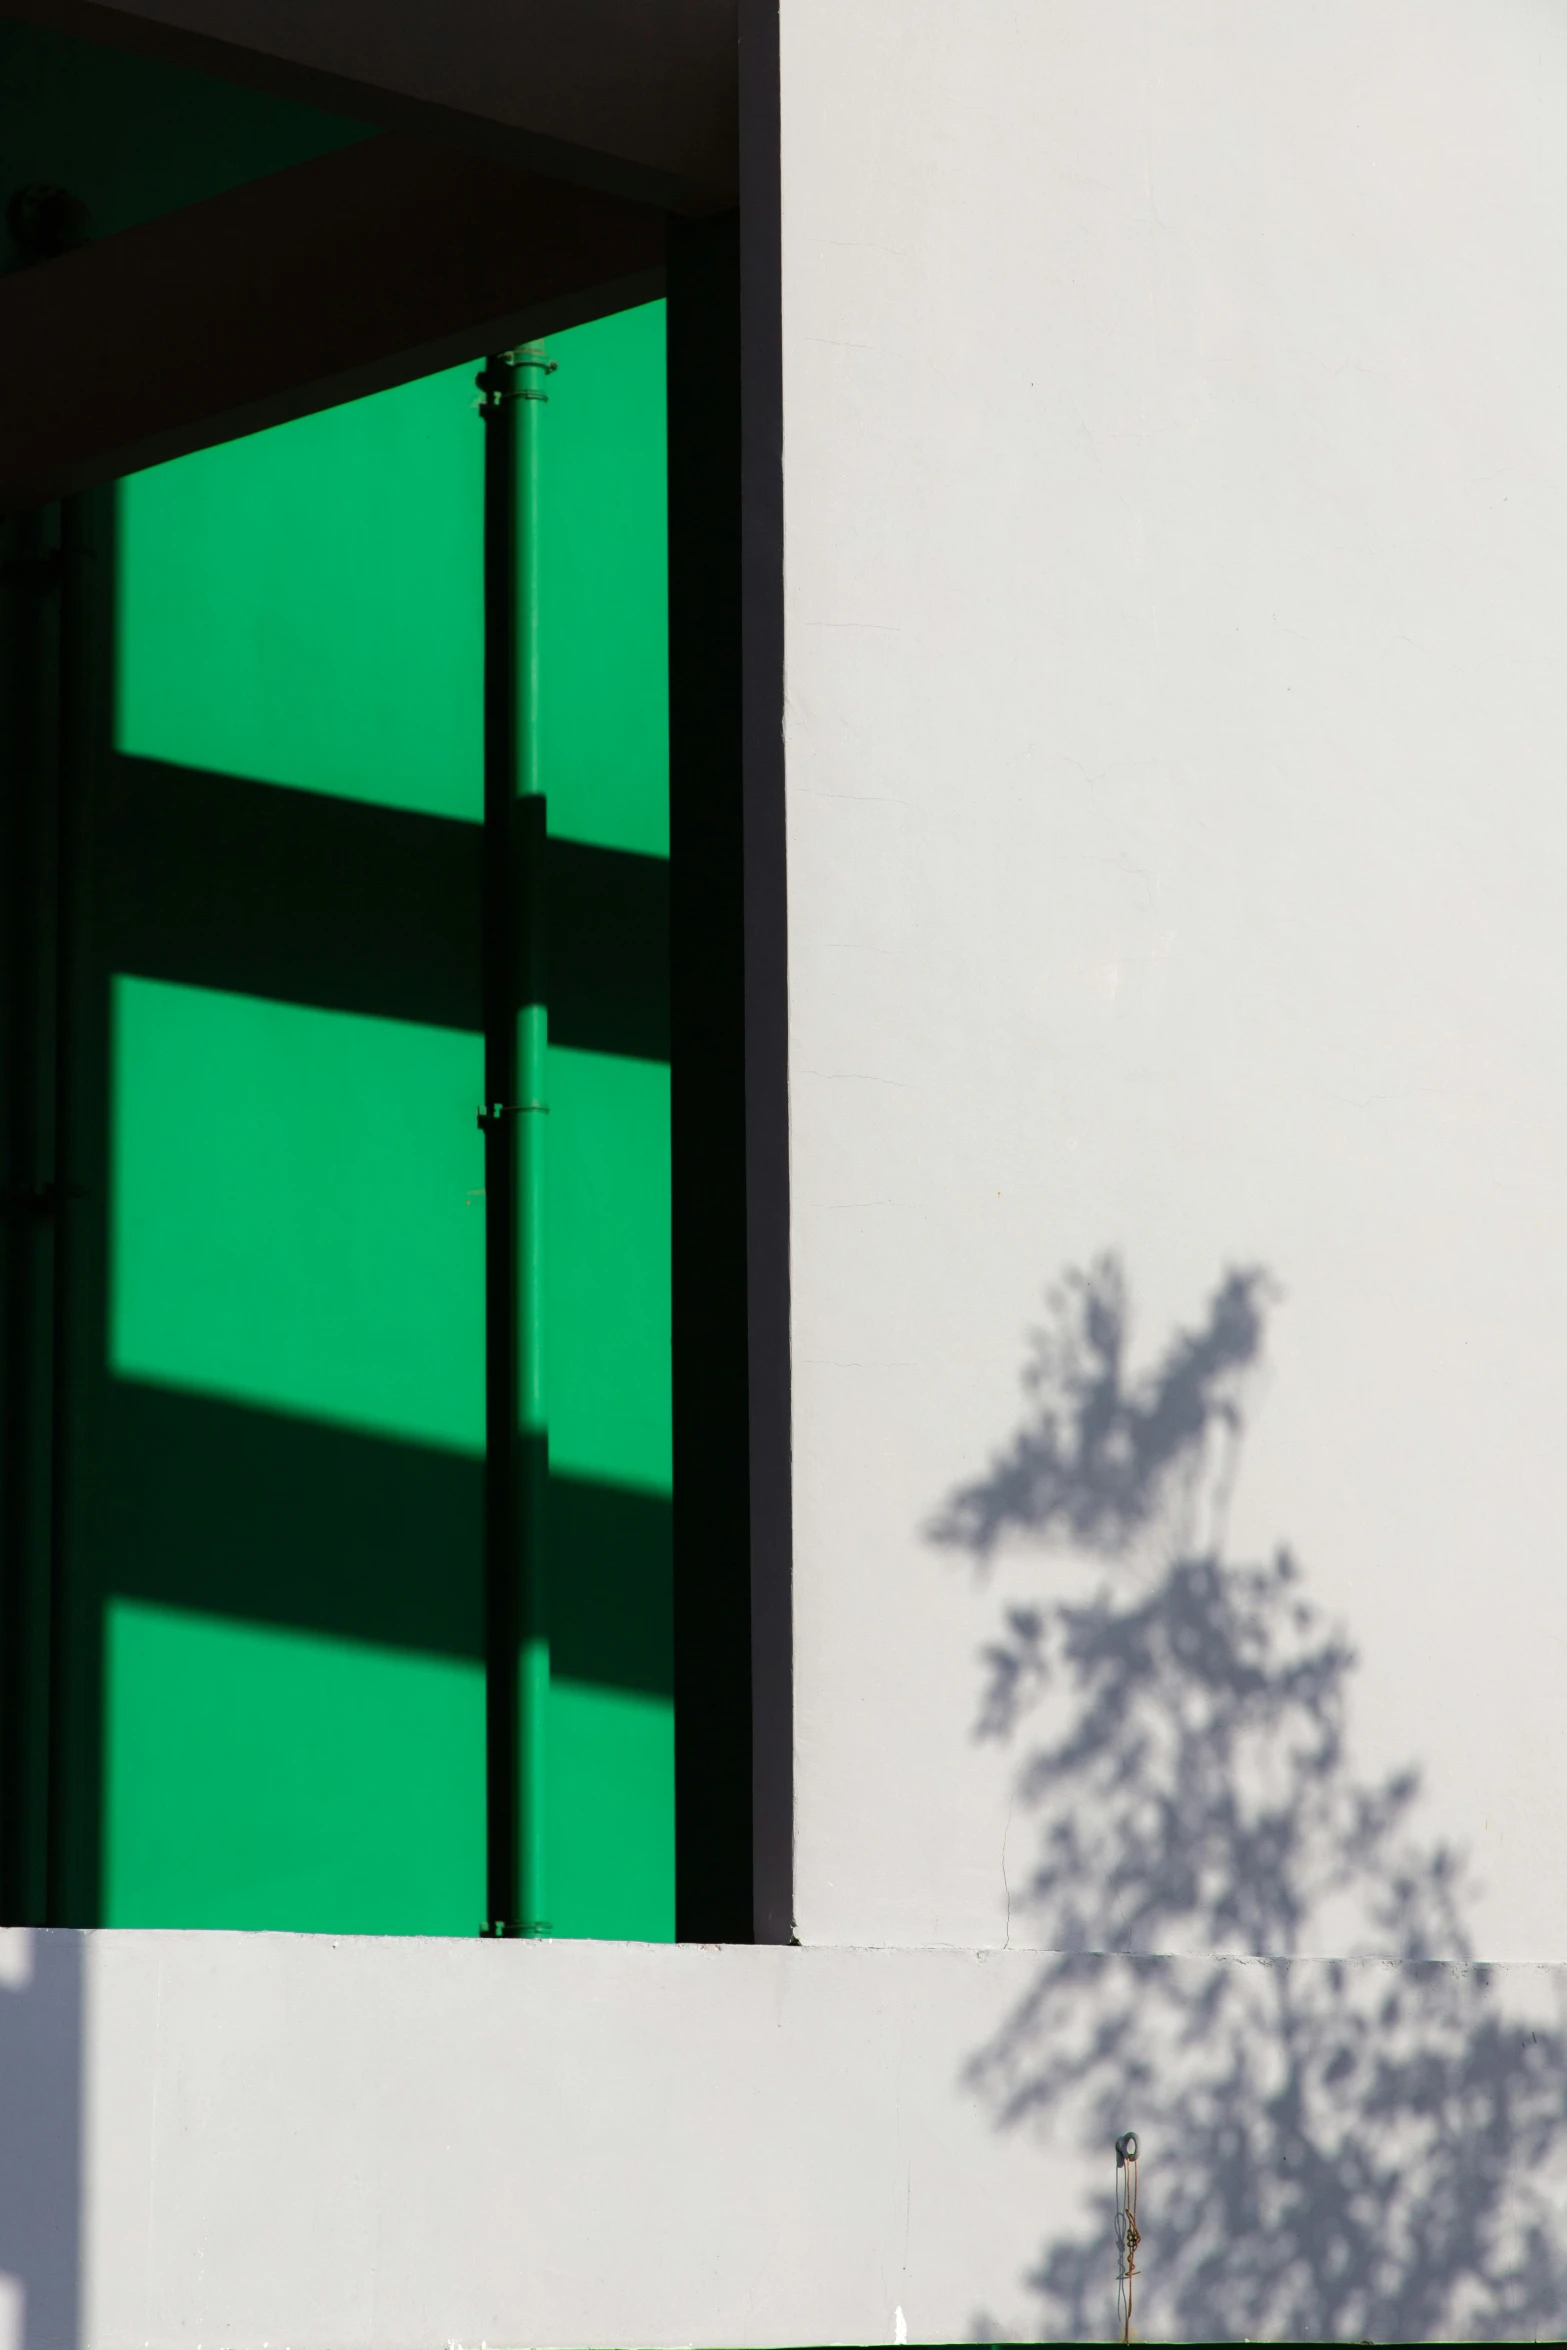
305, 606
603, 594
257, 1777
297, 1211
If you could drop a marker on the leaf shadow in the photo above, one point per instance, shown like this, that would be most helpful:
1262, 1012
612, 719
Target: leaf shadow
1342, 2148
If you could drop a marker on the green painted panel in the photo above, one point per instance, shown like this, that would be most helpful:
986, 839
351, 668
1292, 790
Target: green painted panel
305, 606
298, 1215
258, 1777
604, 765
603, 601
609, 1303
292, 1720
612, 1842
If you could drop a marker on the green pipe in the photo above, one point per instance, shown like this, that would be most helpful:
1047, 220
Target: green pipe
533, 1684
516, 1042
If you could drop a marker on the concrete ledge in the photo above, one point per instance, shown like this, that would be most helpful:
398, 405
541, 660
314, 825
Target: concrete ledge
270, 2140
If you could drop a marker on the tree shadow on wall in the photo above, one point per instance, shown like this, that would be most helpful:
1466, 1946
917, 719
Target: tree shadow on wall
1335, 2149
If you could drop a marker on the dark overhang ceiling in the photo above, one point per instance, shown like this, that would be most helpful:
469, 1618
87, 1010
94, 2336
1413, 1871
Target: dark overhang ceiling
637, 97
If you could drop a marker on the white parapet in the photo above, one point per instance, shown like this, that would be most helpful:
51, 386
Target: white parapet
289, 2142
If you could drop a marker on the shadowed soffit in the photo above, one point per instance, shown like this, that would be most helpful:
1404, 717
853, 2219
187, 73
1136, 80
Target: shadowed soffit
340, 276
633, 96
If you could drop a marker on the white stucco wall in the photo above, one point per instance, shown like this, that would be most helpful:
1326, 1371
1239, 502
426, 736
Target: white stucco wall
1176, 479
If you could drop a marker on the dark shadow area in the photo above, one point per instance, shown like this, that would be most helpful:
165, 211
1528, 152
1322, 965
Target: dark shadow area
55, 659
292, 895
254, 1515
41, 2026
302, 898
712, 1420
611, 1566
29, 1197
242, 1513
766, 870
135, 136
1360, 2148
608, 950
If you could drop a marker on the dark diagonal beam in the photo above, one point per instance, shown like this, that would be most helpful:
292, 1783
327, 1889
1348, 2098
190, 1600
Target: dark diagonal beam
341, 276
